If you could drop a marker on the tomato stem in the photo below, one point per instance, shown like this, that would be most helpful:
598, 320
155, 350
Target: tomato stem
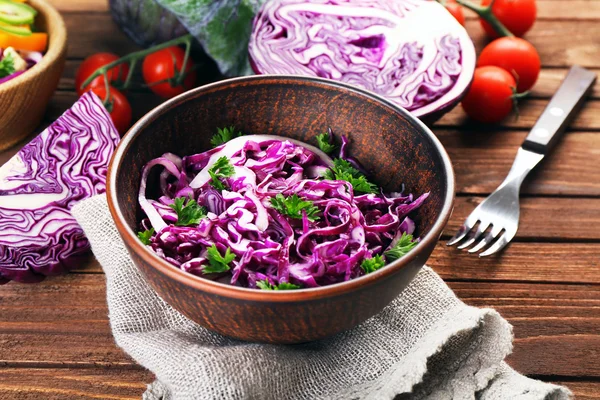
133, 58
487, 15
520, 95
182, 74
515, 99
106, 100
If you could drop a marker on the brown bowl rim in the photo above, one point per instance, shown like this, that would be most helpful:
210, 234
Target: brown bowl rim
52, 54
229, 291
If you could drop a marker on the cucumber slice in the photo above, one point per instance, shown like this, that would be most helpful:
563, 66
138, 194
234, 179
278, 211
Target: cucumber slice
15, 30
16, 13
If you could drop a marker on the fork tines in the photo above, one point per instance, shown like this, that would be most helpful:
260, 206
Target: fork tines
480, 235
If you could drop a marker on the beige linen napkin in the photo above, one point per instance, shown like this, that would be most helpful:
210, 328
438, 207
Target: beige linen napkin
427, 344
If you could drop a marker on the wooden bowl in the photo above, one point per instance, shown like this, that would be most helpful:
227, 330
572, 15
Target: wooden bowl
23, 100
394, 146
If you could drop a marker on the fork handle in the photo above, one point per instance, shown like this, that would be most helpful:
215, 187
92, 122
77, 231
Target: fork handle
561, 110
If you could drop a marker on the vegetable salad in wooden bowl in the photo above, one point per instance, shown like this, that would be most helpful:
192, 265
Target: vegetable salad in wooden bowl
33, 42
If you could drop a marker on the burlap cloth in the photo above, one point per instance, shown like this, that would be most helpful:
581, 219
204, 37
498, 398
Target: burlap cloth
427, 344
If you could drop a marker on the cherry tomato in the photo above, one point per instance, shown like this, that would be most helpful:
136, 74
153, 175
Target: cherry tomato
490, 97
515, 55
159, 66
456, 10
517, 16
92, 63
119, 107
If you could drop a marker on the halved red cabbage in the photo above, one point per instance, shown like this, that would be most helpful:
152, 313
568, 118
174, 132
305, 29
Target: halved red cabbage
413, 52
63, 165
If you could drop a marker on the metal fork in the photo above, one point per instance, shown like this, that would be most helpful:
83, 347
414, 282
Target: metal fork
498, 215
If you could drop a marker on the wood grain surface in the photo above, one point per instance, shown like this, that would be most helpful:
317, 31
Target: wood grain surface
55, 340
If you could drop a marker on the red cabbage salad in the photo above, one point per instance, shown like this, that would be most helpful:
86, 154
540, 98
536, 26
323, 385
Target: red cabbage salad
272, 213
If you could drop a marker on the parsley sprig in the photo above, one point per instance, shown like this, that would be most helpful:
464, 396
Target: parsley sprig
265, 285
325, 145
224, 135
145, 236
372, 264
293, 206
343, 171
404, 245
222, 168
189, 213
7, 65
218, 263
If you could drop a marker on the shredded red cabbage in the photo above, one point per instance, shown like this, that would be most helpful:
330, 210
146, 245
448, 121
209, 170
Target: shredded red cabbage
334, 231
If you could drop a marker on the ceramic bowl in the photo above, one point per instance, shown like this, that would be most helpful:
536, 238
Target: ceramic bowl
395, 148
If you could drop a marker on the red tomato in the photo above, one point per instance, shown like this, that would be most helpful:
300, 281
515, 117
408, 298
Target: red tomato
517, 16
159, 66
490, 97
119, 107
92, 63
456, 10
515, 55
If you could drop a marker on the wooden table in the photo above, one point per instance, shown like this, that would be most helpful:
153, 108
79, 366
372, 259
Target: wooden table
55, 340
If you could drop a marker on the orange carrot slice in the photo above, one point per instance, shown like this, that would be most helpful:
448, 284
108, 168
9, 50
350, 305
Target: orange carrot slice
35, 42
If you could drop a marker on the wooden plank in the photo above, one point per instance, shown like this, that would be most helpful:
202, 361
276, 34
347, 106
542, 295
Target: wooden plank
583, 390
582, 221
90, 267
531, 262
563, 318
560, 44
87, 6
560, 10
551, 78
549, 354
95, 32
481, 160
62, 322
68, 383
529, 112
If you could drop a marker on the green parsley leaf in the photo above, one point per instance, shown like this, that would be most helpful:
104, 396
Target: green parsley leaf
324, 144
293, 206
7, 65
342, 170
265, 285
224, 135
190, 213
218, 263
404, 245
287, 286
372, 264
222, 168
145, 236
